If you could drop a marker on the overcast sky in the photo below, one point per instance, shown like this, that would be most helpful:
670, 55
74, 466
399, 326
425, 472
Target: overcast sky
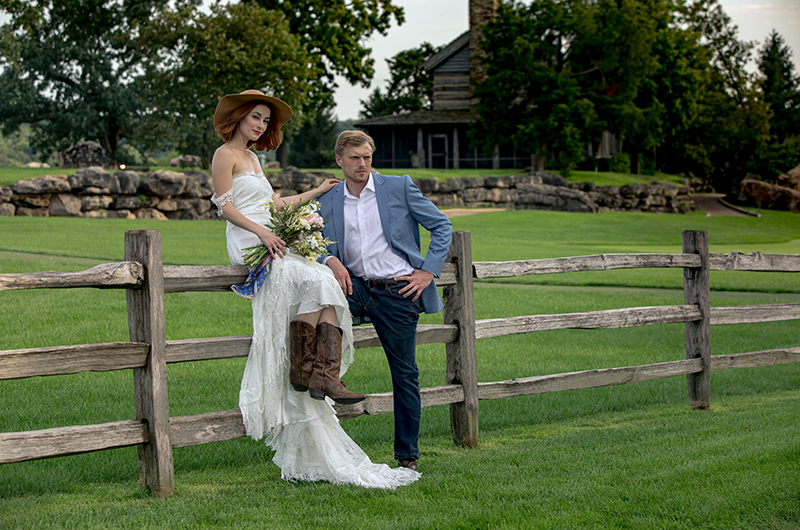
441, 21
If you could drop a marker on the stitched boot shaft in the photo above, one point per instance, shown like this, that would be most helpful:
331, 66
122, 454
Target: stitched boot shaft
302, 350
325, 378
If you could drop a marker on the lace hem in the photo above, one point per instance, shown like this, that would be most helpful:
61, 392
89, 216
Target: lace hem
321, 451
222, 200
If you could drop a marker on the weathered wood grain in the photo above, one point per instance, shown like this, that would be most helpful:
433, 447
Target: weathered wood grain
754, 313
206, 428
755, 261
462, 363
60, 360
187, 350
612, 318
586, 379
219, 278
216, 278
151, 400
62, 441
382, 403
599, 262
108, 275
227, 424
756, 358
448, 276
366, 337
697, 291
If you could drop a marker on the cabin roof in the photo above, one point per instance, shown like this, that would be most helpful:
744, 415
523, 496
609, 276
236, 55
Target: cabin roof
420, 117
449, 51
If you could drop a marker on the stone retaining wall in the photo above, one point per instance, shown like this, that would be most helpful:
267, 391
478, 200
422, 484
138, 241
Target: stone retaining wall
94, 192
546, 191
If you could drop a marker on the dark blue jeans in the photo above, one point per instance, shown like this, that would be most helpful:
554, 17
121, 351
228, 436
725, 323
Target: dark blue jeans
395, 319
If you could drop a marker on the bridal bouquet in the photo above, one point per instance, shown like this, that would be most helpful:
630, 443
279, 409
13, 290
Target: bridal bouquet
299, 225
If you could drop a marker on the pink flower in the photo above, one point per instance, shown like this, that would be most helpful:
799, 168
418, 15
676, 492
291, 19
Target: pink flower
315, 220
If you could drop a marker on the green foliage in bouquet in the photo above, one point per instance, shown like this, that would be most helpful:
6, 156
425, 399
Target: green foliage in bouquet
299, 225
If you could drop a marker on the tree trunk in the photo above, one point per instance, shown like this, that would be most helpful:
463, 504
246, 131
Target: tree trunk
634, 161
283, 155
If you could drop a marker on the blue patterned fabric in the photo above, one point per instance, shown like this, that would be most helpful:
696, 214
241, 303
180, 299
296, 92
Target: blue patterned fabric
254, 280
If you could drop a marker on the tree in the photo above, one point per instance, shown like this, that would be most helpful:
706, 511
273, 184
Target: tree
729, 134
334, 33
780, 86
15, 149
196, 58
529, 98
409, 88
561, 72
313, 144
622, 50
68, 68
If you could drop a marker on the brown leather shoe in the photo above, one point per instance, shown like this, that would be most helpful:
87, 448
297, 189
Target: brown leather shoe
302, 350
324, 380
409, 463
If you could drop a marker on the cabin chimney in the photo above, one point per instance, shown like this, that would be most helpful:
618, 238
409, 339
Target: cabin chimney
480, 12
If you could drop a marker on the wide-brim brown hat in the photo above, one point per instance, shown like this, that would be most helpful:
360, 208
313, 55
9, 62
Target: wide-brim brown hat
280, 110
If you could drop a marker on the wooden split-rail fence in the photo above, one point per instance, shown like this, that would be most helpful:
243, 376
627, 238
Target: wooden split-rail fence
155, 433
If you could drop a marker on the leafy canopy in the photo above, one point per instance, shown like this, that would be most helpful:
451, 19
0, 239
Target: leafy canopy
199, 57
410, 87
68, 68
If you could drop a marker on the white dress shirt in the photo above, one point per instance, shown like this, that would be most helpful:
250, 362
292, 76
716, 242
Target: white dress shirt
366, 252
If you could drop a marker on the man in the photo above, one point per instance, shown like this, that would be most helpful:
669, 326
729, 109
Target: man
374, 222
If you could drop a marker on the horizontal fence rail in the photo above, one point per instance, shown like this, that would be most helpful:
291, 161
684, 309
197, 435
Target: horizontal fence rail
219, 278
227, 425
756, 262
123, 275
155, 435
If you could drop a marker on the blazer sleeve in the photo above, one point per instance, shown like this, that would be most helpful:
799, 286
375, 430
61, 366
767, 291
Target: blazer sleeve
427, 215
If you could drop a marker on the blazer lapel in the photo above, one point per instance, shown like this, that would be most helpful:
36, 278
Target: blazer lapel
338, 217
382, 196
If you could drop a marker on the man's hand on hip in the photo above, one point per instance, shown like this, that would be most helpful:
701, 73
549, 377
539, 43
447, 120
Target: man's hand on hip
341, 274
417, 283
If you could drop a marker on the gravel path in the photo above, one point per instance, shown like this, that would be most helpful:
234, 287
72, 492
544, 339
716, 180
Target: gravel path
710, 203
460, 212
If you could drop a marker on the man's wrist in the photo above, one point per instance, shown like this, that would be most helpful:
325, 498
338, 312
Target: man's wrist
429, 272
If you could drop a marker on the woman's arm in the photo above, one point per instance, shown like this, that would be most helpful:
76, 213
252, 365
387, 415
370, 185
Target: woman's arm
280, 202
222, 176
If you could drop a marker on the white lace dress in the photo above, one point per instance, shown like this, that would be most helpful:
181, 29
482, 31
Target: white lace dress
308, 441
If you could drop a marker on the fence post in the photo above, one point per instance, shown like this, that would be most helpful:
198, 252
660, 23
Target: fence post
696, 290
146, 324
462, 369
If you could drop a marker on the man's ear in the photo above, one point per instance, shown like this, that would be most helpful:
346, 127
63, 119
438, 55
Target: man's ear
339, 160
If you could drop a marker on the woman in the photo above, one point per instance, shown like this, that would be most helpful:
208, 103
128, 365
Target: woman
302, 328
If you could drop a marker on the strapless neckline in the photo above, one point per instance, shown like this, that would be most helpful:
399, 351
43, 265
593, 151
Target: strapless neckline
249, 172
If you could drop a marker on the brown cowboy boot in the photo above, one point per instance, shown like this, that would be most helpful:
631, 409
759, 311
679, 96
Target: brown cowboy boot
325, 379
302, 350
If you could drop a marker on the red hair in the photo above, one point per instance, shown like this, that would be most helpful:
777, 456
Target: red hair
269, 140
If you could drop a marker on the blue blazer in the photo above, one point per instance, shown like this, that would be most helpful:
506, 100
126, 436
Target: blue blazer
402, 209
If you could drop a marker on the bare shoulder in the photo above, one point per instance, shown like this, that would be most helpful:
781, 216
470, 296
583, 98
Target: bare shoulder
223, 152
223, 162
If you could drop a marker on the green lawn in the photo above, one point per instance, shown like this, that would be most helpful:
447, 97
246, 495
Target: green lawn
631, 456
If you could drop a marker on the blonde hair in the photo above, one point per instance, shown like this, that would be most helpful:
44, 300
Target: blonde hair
268, 141
352, 139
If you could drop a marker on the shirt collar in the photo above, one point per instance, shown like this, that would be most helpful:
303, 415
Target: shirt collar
370, 186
